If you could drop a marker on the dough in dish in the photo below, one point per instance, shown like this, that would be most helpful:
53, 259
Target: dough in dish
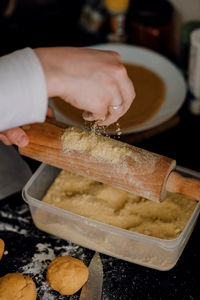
101, 202
2, 246
17, 286
67, 274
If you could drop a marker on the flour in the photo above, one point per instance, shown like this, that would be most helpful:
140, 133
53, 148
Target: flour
9, 215
16, 228
8, 227
98, 146
45, 254
40, 261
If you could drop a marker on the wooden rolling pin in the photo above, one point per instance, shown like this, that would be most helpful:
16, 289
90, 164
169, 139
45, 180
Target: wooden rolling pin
121, 165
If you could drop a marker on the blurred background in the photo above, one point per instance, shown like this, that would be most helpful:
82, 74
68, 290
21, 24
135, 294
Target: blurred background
84, 22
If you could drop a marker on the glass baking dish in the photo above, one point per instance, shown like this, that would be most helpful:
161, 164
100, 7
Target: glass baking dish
134, 247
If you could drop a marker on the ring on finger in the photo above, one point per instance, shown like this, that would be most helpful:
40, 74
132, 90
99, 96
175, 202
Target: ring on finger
116, 107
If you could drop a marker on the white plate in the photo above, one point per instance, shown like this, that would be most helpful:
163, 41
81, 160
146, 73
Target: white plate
172, 77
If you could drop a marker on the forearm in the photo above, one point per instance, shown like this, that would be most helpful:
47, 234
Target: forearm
23, 94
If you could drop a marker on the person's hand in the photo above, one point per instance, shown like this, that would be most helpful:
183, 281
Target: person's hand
14, 136
94, 81
17, 136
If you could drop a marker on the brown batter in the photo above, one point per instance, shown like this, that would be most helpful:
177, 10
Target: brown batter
119, 208
150, 95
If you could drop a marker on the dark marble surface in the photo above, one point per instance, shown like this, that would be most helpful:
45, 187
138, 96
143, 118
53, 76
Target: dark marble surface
30, 251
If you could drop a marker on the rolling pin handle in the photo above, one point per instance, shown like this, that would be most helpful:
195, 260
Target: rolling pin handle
189, 187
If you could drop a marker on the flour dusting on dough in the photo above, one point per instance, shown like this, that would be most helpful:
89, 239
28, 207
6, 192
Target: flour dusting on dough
102, 147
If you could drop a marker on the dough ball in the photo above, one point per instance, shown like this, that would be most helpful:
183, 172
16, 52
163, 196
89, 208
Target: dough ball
2, 246
17, 286
67, 274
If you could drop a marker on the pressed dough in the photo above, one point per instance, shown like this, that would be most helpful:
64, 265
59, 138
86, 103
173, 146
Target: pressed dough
96, 145
17, 286
67, 274
150, 95
2, 247
119, 208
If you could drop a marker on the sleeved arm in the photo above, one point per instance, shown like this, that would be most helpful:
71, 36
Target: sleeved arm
23, 93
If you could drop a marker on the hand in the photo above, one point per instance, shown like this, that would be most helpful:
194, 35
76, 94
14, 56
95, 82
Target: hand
94, 81
17, 136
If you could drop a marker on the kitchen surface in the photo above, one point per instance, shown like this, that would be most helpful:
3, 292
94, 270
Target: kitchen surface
29, 250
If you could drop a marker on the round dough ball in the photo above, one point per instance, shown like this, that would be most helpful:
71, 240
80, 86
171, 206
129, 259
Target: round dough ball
17, 286
2, 246
67, 274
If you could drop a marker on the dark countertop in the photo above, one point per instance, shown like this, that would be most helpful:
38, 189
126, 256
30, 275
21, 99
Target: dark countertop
30, 250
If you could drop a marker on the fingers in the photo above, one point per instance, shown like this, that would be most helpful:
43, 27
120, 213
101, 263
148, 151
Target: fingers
50, 113
5, 140
124, 84
126, 88
121, 93
118, 94
112, 116
17, 136
108, 107
14, 136
88, 116
110, 104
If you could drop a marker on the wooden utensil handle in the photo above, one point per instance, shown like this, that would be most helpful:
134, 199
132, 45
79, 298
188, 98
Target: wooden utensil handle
45, 143
141, 172
177, 183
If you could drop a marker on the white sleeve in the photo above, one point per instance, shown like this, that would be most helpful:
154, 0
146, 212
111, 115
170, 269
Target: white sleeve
23, 93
